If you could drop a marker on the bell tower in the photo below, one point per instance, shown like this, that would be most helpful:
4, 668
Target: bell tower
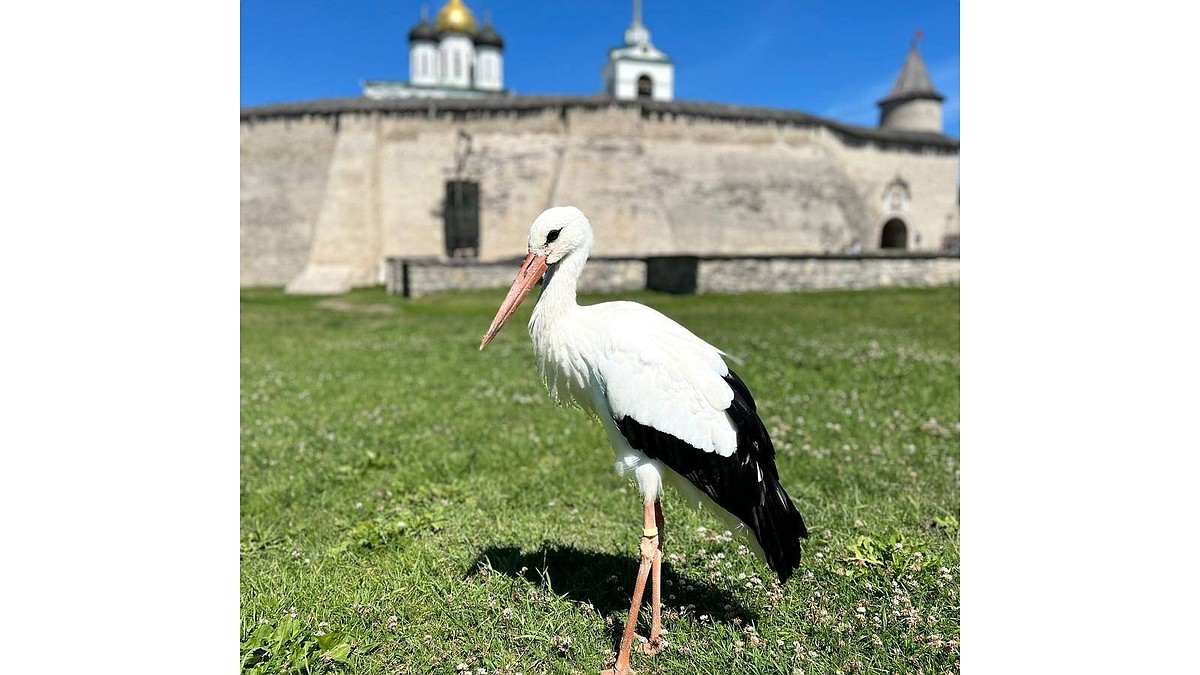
638, 69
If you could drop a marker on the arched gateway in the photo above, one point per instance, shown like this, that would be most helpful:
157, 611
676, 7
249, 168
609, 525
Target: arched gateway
895, 235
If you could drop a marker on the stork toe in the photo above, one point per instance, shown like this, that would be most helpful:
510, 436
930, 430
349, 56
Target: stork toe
650, 647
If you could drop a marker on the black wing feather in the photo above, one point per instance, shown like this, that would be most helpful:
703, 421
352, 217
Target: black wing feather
733, 482
740, 390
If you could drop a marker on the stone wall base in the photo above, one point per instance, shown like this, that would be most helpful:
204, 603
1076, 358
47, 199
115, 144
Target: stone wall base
689, 274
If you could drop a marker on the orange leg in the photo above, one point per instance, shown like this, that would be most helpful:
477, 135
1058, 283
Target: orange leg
648, 547
654, 644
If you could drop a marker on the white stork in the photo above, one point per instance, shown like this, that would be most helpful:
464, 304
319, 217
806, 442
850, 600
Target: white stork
672, 408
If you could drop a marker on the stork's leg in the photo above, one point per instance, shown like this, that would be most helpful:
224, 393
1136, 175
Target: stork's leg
654, 644
648, 547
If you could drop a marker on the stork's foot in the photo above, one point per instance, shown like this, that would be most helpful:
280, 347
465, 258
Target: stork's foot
652, 646
614, 671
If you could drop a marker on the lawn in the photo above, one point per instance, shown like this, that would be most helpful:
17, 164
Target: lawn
412, 505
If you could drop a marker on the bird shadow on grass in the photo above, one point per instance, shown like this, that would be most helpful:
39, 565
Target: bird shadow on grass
588, 577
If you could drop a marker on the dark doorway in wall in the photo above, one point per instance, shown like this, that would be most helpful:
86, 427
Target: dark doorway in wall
895, 235
645, 87
461, 212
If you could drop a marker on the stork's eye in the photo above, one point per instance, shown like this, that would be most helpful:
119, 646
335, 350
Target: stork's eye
552, 236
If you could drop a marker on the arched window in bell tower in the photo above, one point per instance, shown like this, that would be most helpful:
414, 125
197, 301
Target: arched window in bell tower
645, 87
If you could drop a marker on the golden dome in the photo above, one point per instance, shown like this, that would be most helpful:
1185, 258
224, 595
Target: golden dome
455, 16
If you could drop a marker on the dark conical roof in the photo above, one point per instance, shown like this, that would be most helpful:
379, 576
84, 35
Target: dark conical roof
423, 31
913, 81
488, 36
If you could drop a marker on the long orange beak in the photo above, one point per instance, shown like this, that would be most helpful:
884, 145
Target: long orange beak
532, 270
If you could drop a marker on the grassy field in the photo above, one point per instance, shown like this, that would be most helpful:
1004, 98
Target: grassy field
411, 505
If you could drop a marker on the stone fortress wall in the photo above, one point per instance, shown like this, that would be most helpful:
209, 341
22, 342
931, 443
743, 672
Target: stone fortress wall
332, 189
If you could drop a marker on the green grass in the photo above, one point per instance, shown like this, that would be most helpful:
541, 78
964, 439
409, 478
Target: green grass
410, 504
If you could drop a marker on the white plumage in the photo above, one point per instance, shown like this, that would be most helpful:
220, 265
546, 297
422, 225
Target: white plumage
621, 359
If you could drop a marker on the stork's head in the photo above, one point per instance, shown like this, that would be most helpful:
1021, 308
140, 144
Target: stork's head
554, 235
558, 232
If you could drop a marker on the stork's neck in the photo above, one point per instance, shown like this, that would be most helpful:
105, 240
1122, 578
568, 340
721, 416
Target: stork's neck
558, 288
555, 331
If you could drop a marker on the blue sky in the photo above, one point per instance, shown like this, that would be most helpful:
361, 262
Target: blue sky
829, 58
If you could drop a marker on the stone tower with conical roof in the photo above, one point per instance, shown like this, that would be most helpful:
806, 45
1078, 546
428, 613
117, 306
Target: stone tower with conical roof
913, 104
